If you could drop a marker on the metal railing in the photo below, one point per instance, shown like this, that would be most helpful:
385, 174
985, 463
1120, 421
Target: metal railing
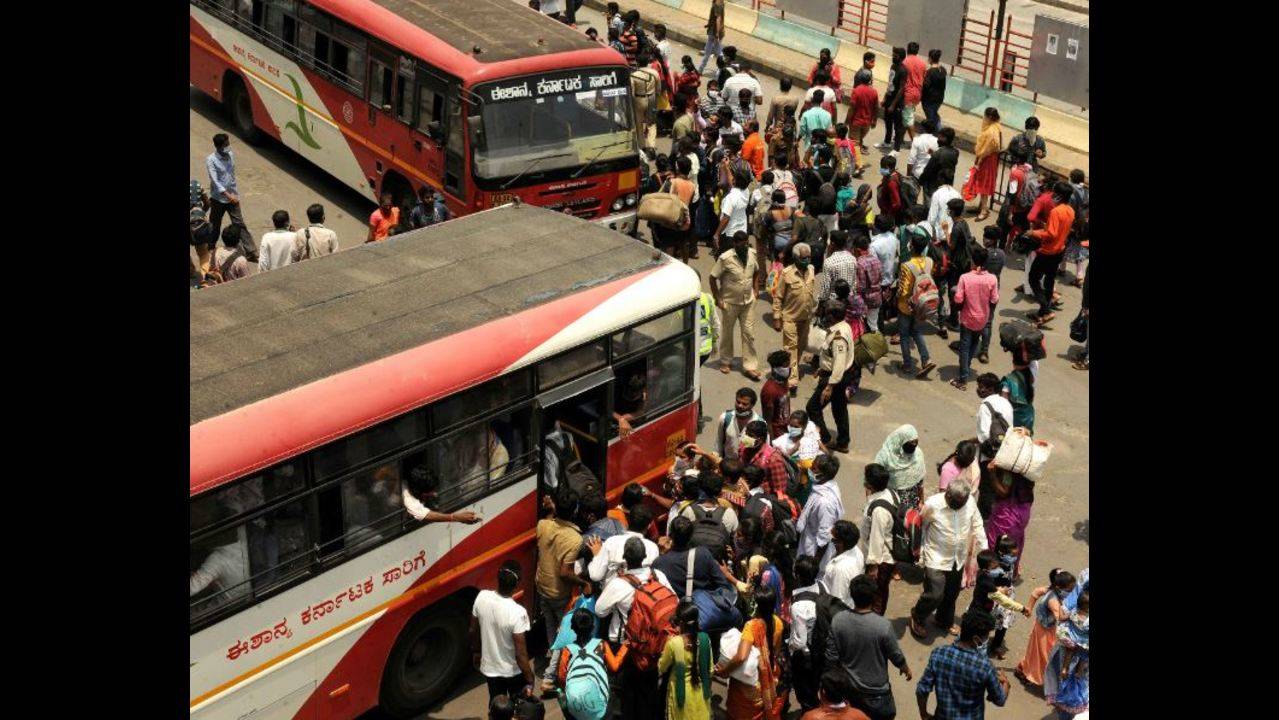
864, 20
976, 38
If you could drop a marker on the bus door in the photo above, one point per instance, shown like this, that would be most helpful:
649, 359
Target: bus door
573, 421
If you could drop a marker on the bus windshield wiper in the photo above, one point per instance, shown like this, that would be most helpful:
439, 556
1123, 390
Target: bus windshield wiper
610, 146
531, 165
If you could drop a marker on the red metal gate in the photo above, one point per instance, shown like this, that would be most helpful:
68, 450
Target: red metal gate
865, 20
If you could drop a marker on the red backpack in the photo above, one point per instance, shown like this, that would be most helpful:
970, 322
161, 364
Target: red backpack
651, 622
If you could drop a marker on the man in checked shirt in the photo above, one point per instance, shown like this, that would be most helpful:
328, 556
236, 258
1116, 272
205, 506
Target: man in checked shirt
962, 675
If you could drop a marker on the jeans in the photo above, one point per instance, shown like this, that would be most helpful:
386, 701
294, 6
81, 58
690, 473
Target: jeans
941, 589
930, 112
804, 677
985, 333
1043, 278
876, 707
969, 342
713, 47
839, 408
910, 332
552, 611
894, 130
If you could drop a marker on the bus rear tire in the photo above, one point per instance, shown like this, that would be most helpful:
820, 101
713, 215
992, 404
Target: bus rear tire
427, 658
240, 107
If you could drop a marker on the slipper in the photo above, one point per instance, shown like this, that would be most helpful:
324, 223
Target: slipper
1080, 364
915, 629
954, 629
753, 375
894, 340
981, 217
984, 358
927, 368
958, 385
725, 369
1042, 321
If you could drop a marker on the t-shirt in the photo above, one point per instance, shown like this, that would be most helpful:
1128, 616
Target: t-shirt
558, 542
921, 149
934, 90
731, 87
734, 206
276, 250
382, 224
814, 118
976, 292
865, 100
915, 69
499, 619
995, 262
863, 644
774, 405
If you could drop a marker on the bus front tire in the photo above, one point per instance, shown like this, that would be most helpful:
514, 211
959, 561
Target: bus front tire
427, 658
240, 107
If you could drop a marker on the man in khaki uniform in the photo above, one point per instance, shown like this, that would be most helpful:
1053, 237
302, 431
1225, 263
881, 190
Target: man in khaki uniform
645, 85
833, 378
735, 282
793, 307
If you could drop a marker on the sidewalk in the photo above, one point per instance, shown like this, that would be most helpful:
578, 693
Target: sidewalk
777, 59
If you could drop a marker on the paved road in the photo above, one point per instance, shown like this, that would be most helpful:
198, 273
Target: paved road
274, 177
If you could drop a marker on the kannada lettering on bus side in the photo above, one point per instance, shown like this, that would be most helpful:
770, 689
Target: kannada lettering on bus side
313, 613
554, 85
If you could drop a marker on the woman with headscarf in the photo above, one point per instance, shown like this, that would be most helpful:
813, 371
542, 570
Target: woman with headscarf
901, 456
861, 210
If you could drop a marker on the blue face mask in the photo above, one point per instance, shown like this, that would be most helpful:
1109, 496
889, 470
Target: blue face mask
1008, 561
794, 431
885, 172
997, 572
782, 373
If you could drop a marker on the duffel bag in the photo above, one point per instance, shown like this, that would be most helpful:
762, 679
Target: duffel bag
1022, 454
1018, 333
869, 348
664, 208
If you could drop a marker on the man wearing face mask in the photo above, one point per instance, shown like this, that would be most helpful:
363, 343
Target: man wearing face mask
224, 194
732, 424
735, 282
950, 518
774, 399
1030, 143
823, 509
793, 306
833, 378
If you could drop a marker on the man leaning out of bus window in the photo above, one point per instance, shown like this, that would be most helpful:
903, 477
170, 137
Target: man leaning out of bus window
423, 484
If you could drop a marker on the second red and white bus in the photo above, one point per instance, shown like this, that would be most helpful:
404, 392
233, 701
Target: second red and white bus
483, 100
318, 389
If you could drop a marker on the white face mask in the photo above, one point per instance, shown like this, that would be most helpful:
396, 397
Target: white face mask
782, 373
748, 442
1031, 135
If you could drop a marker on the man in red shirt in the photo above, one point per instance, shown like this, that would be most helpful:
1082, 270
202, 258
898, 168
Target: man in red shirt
863, 108
1052, 244
1035, 219
774, 399
915, 69
889, 196
977, 293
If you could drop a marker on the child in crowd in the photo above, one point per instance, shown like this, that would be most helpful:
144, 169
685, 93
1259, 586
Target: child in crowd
993, 594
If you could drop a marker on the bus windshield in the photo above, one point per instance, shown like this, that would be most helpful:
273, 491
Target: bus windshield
552, 122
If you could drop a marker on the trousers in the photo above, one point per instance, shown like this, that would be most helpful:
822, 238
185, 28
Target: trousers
941, 588
1043, 278
731, 316
839, 408
795, 341
232, 210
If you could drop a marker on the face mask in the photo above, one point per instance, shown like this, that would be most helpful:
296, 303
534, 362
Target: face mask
801, 263
955, 504
748, 442
997, 572
782, 373
1031, 135
794, 431
743, 413
225, 151
885, 172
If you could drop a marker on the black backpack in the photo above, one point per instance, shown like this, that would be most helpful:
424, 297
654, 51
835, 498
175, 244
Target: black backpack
907, 533
1020, 334
828, 606
998, 426
709, 531
908, 188
571, 472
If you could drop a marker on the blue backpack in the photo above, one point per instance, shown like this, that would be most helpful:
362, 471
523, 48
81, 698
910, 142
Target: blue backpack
585, 683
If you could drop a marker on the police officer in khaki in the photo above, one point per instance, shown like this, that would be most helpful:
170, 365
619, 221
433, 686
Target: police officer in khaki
735, 283
793, 307
833, 379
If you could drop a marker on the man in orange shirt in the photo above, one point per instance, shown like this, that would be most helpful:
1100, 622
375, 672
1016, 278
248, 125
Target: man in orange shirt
387, 216
1052, 244
753, 148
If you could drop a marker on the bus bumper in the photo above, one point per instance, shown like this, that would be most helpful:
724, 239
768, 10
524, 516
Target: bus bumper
625, 222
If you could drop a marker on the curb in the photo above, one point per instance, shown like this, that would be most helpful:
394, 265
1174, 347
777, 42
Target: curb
964, 140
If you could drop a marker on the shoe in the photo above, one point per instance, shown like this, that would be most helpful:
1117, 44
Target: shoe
794, 391
941, 333
954, 346
838, 447
959, 385
902, 368
984, 358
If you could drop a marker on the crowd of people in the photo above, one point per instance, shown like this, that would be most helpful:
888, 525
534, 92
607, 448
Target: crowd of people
234, 257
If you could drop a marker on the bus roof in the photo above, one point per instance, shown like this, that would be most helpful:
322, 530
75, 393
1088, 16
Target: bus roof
264, 335
513, 39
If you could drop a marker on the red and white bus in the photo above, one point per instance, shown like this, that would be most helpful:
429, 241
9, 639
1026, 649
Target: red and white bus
484, 100
317, 389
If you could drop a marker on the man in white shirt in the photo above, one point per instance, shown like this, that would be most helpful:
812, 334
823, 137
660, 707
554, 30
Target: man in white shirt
938, 214
950, 522
423, 484
314, 240
921, 148
992, 401
614, 603
821, 512
277, 245
848, 563
803, 610
742, 79
226, 569
606, 556
498, 624
732, 212
877, 528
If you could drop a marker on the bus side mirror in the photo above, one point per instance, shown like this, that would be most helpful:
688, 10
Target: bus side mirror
435, 131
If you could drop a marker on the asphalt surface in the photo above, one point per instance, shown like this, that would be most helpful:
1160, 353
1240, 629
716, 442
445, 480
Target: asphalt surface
273, 177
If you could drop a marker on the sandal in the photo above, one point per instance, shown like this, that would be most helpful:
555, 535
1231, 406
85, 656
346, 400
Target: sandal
984, 358
1080, 364
923, 371
1044, 320
725, 368
753, 375
959, 385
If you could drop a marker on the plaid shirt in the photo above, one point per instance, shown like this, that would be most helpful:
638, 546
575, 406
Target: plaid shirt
775, 476
741, 115
869, 274
963, 679
841, 265
709, 104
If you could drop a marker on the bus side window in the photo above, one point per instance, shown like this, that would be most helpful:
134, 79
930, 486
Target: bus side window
281, 20
381, 83
453, 159
404, 86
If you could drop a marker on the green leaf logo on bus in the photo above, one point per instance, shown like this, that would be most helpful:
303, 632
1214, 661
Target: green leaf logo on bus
301, 127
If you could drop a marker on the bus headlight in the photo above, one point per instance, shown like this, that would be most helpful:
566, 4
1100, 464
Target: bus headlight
630, 200
617, 204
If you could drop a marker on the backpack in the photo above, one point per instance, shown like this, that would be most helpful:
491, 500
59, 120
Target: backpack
716, 607
1028, 191
908, 529
812, 183
1020, 334
998, 426
924, 297
585, 681
908, 188
651, 620
828, 606
824, 199
709, 531
1079, 200
570, 472
843, 159
785, 181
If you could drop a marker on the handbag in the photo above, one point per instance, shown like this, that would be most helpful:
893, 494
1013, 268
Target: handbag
664, 208
1022, 454
1079, 327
